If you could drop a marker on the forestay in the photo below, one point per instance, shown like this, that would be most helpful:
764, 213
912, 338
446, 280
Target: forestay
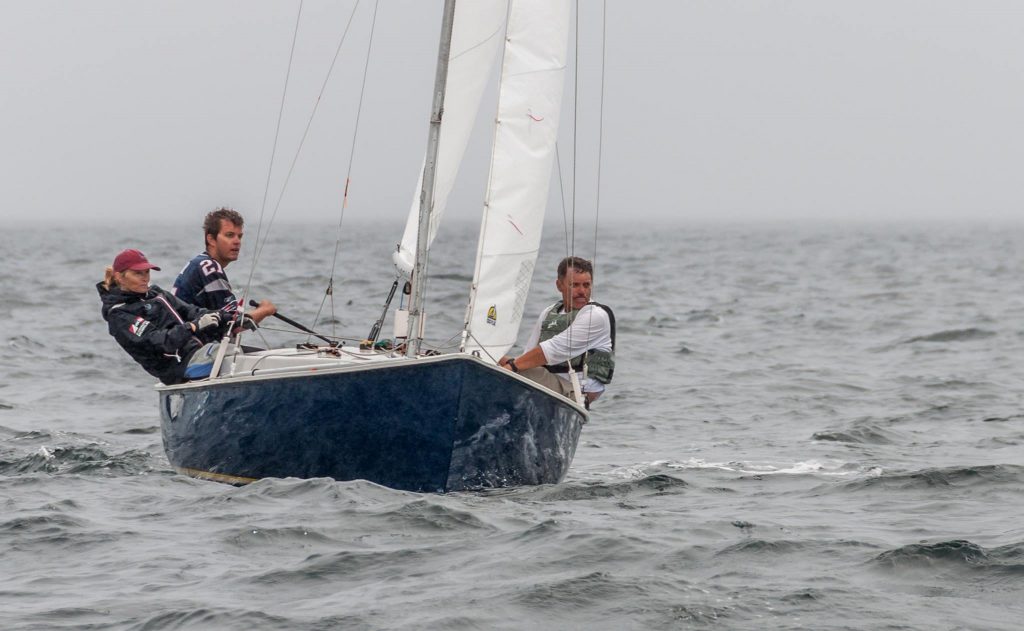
529, 105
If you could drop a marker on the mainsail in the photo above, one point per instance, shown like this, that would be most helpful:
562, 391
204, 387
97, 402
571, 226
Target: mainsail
476, 37
529, 104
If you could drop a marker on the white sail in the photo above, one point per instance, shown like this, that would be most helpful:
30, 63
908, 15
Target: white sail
476, 38
529, 104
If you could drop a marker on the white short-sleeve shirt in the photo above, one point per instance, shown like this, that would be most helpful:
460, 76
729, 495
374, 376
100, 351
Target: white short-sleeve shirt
591, 330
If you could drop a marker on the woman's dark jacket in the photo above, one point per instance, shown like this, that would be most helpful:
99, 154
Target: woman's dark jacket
153, 328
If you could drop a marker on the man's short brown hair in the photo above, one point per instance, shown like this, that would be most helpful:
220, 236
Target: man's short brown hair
211, 225
577, 263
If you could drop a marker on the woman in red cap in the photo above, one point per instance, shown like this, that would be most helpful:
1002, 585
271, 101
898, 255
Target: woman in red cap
166, 336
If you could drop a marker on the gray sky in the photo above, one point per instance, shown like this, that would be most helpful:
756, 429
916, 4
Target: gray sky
714, 109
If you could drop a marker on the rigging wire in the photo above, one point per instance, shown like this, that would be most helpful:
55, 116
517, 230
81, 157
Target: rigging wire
571, 246
348, 173
575, 127
600, 124
600, 142
273, 151
561, 195
305, 133
569, 209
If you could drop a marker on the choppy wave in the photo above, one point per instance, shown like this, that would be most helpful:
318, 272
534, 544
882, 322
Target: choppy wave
142, 431
218, 618
958, 553
657, 484
346, 565
984, 476
835, 468
953, 335
1003, 419
584, 589
24, 342
868, 434
87, 460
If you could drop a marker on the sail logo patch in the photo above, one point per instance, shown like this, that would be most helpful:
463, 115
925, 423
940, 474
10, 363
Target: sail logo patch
492, 315
139, 326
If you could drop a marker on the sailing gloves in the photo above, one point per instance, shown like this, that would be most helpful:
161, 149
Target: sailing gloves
208, 320
213, 319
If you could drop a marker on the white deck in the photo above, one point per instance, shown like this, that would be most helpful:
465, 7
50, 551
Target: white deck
298, 362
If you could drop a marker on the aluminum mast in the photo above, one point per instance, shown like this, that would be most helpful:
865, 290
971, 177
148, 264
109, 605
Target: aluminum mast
419, 281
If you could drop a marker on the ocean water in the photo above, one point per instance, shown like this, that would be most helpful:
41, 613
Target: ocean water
811, 427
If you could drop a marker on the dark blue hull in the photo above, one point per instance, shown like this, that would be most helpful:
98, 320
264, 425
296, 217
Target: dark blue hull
444, 425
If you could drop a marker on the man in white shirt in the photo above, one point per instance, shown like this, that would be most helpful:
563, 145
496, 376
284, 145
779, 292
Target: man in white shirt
574, 335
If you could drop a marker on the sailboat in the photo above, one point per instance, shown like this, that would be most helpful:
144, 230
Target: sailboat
410, 419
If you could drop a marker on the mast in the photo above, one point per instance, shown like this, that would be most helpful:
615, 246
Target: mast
419, 281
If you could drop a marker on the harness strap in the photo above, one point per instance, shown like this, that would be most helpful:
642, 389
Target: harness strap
611, 318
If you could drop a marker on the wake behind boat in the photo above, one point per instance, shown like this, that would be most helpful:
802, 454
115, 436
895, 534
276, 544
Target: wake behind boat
412, 420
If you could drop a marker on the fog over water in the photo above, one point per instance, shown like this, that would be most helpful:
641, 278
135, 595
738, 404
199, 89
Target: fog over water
732, 111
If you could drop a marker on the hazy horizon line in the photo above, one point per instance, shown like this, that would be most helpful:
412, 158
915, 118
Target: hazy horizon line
553, 224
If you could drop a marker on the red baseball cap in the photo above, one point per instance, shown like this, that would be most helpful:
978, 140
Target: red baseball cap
133, 260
